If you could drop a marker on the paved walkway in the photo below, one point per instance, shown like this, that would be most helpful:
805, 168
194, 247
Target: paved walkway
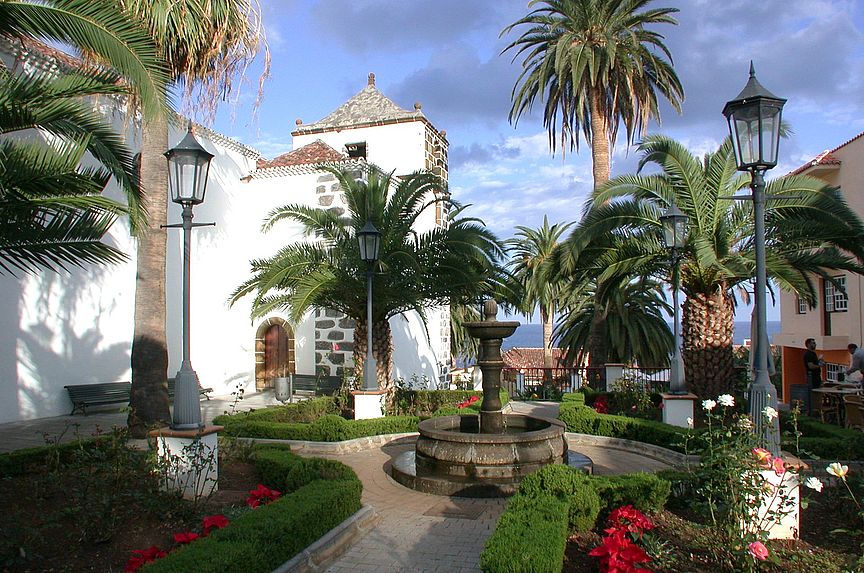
417, 532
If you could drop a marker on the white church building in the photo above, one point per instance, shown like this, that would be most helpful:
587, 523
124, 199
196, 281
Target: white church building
62, 329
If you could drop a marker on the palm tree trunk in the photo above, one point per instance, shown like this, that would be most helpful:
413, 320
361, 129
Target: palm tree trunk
382, 350
597, 347
707, 326
546, 318
149, 400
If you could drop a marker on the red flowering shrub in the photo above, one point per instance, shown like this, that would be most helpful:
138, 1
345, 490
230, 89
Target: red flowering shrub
214, 522
601, 404
142, 556
185, 537
619, 553
261, 495
468, 402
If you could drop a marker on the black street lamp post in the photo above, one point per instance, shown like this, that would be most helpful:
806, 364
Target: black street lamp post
188, 166
675, 235
754, 124
370, 243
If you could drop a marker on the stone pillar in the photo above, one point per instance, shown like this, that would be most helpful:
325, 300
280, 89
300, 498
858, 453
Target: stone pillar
368, 404
491, 416
189, 460
677, 408
613, 373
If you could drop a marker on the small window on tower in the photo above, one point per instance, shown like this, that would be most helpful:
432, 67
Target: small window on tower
356, 150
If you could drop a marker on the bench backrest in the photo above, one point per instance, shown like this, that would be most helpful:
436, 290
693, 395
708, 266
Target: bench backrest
101, 391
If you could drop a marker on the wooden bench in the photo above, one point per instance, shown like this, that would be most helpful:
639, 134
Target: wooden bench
201, 391
307, 383
83, 395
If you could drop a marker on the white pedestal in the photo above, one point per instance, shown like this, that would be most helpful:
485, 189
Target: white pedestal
677, 408
613, 373
189, 460
782, 498
368, 404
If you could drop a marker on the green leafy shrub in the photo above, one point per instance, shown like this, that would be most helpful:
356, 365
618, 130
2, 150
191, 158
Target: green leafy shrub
273, 463
531, 536
577, 397
322, 431
426, 402
584, 420
261, 540
646, 492
305, 411
311, 469
821, 440
570, 485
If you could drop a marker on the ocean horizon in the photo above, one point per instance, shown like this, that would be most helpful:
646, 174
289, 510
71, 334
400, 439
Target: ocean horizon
530, 335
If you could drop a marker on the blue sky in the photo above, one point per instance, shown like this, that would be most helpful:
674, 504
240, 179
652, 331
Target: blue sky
446, 55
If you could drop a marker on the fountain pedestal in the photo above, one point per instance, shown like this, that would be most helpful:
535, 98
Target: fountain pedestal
485, 456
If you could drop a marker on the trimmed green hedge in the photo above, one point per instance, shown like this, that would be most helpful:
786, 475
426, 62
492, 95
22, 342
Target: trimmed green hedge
26, 460
328, 428
531, 536
317, 496
301, 412
532, 532
263, 539
584, 420
426, 402
826, 441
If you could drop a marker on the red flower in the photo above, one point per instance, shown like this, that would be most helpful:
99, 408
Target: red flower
601, 404
185, 537
214, 522
778, 467
261, 495
142, 556
468, 402
758, 550
631, 519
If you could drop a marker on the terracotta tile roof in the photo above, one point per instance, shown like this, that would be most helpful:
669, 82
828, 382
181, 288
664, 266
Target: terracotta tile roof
531, 358
369, 106
824, 158
314, 153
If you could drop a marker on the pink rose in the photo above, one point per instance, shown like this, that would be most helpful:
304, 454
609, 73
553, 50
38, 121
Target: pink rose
758, 550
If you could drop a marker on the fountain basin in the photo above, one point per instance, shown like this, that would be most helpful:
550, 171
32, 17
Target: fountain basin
453, 458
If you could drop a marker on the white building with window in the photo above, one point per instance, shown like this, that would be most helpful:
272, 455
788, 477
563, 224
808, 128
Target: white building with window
76, 328
837, 319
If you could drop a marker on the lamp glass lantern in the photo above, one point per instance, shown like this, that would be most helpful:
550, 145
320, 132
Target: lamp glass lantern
188, 167
674, 227
370, 242
754, 123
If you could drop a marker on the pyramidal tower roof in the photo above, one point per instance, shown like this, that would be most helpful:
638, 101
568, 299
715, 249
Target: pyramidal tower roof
368, 107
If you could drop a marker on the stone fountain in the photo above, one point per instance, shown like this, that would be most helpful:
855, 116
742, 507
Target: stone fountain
485, 456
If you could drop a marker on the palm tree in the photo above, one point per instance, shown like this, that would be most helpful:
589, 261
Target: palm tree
454, 264
529, 250
810, 230
206, 45
636, 328
593, 64
99, 30
52, 212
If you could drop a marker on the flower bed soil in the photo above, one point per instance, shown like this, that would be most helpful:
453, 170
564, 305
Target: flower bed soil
692, 548
42, 532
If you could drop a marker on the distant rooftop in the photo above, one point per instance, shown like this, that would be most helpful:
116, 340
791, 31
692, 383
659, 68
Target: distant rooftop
314, 153
826, 157
531, 358
368, 107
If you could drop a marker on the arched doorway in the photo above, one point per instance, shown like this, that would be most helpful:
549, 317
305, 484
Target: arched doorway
274, 352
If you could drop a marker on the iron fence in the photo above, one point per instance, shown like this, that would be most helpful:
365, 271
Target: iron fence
546, 383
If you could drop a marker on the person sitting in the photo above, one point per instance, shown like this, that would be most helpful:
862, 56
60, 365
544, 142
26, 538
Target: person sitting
856, 368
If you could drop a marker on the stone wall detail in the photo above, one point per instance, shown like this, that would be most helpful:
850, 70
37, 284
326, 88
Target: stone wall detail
334, 342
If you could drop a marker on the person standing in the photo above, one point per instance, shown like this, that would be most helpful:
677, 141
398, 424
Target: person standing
813, 364
857, 364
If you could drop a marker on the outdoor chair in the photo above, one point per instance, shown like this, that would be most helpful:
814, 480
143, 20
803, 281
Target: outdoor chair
829, 410
853, 406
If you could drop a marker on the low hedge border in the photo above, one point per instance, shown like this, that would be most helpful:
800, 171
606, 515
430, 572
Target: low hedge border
327, 428
531, 535
582, 419
318, 496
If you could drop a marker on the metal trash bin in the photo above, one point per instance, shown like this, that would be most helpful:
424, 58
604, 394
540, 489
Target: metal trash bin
800, 393
283, 389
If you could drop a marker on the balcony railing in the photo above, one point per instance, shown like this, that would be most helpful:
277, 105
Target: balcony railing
545, 383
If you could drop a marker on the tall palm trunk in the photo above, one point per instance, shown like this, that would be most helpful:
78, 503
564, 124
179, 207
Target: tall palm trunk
382, 350
597, 347
546, 315
707, 325
149, 401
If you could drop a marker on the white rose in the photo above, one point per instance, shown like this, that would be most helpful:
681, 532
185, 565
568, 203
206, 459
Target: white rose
837, 470
689, 422
814, 483
708, 404
726, 400
770, 413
